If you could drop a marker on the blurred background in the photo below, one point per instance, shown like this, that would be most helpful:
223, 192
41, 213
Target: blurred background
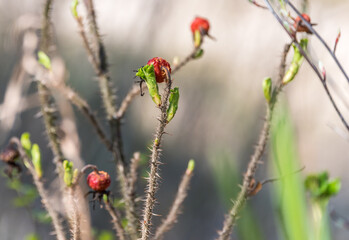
220, 113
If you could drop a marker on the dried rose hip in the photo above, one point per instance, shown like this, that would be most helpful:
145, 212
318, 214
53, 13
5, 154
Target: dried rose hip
9, 154
158, 63
99, 182
300, 26
200, 24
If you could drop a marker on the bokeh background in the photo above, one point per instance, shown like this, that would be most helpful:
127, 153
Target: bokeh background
221, 106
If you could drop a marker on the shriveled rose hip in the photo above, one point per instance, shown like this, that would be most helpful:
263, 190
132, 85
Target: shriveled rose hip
300, 26
200, 24
98, 181
159, 62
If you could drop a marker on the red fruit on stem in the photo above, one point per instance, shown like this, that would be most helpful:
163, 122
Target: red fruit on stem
200, 24
158, 63
98, 181
299, 25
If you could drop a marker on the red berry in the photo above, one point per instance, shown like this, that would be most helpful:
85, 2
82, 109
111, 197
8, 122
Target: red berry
200, 24
98, 181
299, 25
160, 74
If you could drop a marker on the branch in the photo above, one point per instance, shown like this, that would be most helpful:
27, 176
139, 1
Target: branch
99, 61
321, 78
56, 222
116, 219
172, 216
154, 162
238, 204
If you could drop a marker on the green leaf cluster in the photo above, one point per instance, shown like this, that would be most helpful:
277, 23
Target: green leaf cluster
320, 187
147, 73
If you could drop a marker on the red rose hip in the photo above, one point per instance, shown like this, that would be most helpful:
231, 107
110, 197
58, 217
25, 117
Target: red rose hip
300, 26
98, 181
158, 63
200, 24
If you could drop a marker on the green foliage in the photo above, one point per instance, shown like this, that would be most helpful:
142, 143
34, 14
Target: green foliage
36, 159
148, 75
267, 88
44, 60
198, 53
25, 141
320, 187
73, 8
173, 106
296, 61
191, 166
288, 193
68, 172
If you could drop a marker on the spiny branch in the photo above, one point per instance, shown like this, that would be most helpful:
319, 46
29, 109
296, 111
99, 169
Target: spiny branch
238, 204
154, 163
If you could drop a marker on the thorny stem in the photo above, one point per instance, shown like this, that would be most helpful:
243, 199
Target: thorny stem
154, 162
56, 222
321, 78
116, 219
172, 216
132, 175
74, 218
47, 104
190, 57
106, 89
238, 204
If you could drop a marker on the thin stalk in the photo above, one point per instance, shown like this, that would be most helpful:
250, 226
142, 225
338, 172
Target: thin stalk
154, 162
116, 219
255, 159
172, 216
98, 59
319, 75
56, 222
74, 218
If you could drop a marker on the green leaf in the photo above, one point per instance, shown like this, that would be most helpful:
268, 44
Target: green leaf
148, 75
198, 53
197, 38
44, 60
191, 166
68, 173
36, 159
73, 8
334, 187
173, 106
296, 61
25, 141
267, 88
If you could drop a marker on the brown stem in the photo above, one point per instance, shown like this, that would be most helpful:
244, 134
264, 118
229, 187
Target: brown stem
238, 204
56, 222
116, 219
172, 216
154, 163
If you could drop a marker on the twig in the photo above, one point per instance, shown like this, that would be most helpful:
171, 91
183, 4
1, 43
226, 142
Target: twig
83, 106
56, 222
108, 99
172, 216
116, 219
74, 216
132, 175
238, 204
46, 101
154, 162
309, 26
324, 83
186, 60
